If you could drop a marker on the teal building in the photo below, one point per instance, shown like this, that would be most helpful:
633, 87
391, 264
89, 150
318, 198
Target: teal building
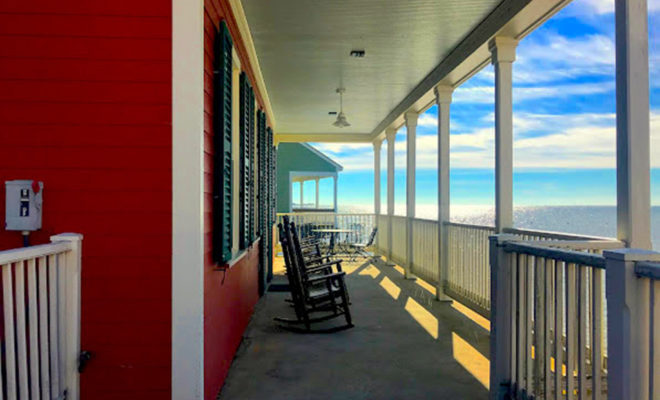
298, 163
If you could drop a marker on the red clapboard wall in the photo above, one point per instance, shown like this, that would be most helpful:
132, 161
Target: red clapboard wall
85, 107
230, 296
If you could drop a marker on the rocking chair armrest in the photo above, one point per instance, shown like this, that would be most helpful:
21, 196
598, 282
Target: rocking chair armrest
326, 277
325, 265
331, 262
317, 268
315, 260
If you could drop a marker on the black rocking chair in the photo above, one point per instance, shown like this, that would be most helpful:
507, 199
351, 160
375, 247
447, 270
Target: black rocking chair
317, 293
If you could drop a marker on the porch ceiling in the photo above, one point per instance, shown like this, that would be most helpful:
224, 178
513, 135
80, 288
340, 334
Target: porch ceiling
303, 49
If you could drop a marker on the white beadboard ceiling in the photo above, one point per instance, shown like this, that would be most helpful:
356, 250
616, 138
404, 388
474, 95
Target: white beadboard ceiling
303, 49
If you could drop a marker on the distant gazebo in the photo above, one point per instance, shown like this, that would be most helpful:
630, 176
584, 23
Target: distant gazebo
300, 162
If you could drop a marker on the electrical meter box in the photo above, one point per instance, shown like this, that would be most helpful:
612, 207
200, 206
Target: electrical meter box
23, 201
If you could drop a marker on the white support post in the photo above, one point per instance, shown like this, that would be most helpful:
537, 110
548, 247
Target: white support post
302, 197
317, 192
411, 138
187, 370
335, 195
628, 311
73, 265
500, 316
377, 145
443, 95
390, 135
503, 50
632, 124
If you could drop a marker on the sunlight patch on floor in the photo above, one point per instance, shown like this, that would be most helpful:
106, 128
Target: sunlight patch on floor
391, 289
425, 285
470, 359
476, 318
424, 318
349, 267
370, 271
399, 269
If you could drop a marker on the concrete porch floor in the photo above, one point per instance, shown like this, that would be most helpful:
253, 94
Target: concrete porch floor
405, 345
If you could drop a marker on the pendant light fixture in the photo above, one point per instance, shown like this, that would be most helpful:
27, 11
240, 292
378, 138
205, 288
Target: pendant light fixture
341, 121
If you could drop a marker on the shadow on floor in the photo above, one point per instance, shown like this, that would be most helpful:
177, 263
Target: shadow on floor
405, 345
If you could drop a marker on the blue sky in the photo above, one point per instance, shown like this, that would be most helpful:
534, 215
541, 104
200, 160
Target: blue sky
564, 122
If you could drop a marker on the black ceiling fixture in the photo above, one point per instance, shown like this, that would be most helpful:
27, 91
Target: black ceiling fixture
358, 53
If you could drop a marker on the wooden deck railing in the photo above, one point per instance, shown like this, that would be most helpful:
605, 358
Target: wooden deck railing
557, 333
548, 321
307, 222
468, 272
41, 316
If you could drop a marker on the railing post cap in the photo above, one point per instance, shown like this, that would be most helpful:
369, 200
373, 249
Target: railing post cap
500, 238
632, 255
67, 237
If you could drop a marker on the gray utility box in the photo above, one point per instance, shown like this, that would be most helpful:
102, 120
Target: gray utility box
23, 201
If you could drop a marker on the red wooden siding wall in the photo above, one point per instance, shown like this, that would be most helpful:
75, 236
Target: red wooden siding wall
85, 106
229, 297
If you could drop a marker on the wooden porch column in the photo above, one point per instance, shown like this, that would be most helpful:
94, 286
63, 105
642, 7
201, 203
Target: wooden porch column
317, 192
443, 95
390, 135
632, 124
411, 138
377, 143
503, 50
302, 198
335, 194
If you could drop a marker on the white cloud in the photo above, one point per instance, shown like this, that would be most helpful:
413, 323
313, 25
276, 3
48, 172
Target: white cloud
427, 120
541, 141
553, 57
340, 148
588, 7
486, 94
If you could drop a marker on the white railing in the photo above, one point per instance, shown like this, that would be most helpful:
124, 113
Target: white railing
399, 239
41, 316
382, 239
589, 244
548, 336
307, 222
425, 250
468, 272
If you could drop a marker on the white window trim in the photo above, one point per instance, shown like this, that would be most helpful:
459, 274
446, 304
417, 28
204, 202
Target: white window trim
320, 175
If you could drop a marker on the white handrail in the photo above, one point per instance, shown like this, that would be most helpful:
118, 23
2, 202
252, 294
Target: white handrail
27, 253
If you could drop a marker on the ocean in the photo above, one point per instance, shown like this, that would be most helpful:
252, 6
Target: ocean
583, 220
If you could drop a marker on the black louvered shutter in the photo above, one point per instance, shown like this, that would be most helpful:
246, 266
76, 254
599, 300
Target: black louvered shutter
270, 203
262, 200
246, 198
222, 167
252, 235
262, 194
